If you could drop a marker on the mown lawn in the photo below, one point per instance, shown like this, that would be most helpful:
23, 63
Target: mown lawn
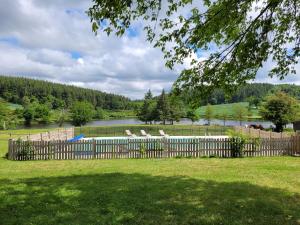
157, 191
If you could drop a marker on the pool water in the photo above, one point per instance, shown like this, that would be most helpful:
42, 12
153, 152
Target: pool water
155, 137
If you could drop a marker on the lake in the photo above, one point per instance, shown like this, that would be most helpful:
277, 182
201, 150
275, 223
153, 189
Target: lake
265, 124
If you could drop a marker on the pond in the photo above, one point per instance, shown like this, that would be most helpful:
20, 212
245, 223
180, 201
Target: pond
265, 124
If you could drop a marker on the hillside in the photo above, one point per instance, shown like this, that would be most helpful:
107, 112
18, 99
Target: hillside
247, 93
16, 89
227, 109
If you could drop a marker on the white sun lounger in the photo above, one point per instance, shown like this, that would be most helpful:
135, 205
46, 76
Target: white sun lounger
128, 132
143, 133
162, 133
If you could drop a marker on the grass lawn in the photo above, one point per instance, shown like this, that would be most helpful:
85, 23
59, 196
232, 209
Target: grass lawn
227, 109
159, 191
171, 191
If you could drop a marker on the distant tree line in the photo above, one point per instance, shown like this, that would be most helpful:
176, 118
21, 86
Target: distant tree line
253, 93
18, 90
46, 102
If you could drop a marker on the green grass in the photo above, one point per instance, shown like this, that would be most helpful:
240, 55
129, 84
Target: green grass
120, 113
227, 109
158, 191
119, 130
172, 191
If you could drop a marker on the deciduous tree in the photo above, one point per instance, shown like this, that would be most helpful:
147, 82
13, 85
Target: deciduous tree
192, 115
239, 112
280, 109
239, 35
208, 115
81, 113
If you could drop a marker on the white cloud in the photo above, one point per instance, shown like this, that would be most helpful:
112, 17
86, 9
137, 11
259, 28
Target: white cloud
80, 61
52, 40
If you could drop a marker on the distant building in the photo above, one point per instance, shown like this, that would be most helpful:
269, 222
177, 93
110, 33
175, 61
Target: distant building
296, 125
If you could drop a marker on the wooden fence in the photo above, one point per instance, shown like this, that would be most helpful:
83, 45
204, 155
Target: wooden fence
58, 134
149, 148
261, 133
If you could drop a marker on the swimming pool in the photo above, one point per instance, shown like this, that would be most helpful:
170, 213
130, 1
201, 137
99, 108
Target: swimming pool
155, 137
157, 146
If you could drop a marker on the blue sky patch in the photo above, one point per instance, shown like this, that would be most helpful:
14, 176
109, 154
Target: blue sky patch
73, 11
10, 40
76, 54
132, 32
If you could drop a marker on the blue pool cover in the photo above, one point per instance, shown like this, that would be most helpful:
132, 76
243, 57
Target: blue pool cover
76, 138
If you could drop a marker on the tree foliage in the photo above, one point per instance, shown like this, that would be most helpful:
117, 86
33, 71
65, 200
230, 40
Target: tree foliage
208, 115
35, 111
25, 91
28, 114
146, 112
177, 108
192, 115
280, 109
240, 36
4, 115
239, 112
81, 113
163, 109
166, 107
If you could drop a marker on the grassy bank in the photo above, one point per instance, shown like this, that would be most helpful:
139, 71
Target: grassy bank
178, 130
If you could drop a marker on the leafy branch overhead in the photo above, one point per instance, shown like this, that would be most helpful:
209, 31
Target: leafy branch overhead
240, 36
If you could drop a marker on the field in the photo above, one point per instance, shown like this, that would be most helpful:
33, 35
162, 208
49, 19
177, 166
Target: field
159, 191
228, 109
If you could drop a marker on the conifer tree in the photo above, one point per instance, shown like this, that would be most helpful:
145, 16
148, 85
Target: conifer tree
163, 110
146, 112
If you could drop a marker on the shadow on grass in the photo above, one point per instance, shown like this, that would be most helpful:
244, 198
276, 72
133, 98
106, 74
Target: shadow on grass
118, 198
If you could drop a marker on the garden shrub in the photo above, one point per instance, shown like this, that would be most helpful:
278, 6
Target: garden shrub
26, 151
238, 142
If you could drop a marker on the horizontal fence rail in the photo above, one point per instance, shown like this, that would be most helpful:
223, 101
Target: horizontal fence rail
160, 147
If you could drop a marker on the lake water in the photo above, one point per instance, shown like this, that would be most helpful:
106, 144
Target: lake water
265, 124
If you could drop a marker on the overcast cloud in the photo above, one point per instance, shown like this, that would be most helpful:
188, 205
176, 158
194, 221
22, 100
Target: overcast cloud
52, 40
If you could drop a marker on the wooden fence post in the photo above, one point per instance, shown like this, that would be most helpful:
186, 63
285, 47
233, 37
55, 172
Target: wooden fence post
9, 149
94, 148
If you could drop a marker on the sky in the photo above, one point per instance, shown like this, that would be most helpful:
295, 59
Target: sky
53, 40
